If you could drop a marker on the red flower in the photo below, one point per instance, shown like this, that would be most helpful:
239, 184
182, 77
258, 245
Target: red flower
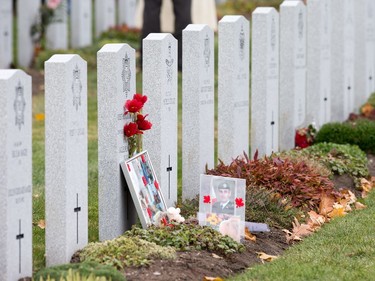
131, 129
207, 199
142, 123
301, 140
149, 213
144, 181
239, 202
140, 98
133, 106
143, 158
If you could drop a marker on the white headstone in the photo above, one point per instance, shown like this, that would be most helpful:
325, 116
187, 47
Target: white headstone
318, 98
342, 68
127, 11
6, 33
116, 84
265, 82
370, 46
57, 30
27, 15
105, 16
361, 76
81, 23
292, 70
198, 106
160, 86
16, 175
66, 157
233, 91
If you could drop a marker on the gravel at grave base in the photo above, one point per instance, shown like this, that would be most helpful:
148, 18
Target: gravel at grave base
195, 265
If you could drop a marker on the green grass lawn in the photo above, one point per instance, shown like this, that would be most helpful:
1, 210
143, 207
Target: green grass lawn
342, 250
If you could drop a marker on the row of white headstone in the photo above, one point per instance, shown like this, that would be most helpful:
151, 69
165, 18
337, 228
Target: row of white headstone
291, 87
57, 31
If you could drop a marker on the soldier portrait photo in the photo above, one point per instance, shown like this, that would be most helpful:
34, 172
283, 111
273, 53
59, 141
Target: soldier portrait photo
224, 190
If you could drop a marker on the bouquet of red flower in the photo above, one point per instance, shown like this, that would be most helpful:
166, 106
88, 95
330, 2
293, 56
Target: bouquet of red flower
305, 136
133, 130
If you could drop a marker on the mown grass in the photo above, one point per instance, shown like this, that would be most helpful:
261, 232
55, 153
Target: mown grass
341, 250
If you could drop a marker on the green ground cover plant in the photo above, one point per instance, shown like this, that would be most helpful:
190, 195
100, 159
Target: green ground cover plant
361, 133
187, 237
338, 158
125, 251
341, 250
79, 271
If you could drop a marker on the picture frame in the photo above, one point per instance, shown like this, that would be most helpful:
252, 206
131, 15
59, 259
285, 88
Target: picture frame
144, 188
222, 204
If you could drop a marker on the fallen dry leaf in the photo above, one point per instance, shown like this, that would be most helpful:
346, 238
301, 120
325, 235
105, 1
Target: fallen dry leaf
338, 211
206, 278
216, 256
359, 206
301, 230
326, 204
266, 257
42, 224
290, 236
315, 220
249, 235
366, 186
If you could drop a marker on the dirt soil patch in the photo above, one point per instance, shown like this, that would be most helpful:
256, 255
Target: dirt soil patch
195, 265
37, 81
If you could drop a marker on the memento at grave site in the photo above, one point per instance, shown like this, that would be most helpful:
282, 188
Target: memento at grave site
187, 140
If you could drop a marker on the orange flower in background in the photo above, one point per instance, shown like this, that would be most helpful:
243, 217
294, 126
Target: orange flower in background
367, 109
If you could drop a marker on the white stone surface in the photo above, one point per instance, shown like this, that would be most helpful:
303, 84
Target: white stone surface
160, 86
233, 91
66, 157
105, 16
198, 106
127, 10
265, 82
116, 84
27, 15
16, 175
6, 33
370, 46
360, 55
57, 31
292, 70
318, 98
81, 23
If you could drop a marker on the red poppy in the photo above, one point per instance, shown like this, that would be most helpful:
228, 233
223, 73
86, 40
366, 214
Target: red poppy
207, 199
133, 106
131, 129
239, 202
140, 98
156, 185
301, 140
142, 123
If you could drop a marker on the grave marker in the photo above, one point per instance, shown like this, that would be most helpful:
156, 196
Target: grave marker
265, 82
57, 30
160, 86
105, 16
6, 33
27, 15
370, 47
318, 98
116, 84
233, 91
292, 70
198, 106
127, 12
66, 157
16, 175
80, 28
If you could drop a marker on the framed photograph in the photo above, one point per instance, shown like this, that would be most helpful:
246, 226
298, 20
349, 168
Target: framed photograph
222, 204
144, 188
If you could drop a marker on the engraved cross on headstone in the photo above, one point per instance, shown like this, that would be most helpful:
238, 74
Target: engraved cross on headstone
19, 237
77, 210
272, 126
169, 170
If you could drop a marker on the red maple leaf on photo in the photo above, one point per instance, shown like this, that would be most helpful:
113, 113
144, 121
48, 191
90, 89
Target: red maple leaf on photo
207, 199
239, 202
